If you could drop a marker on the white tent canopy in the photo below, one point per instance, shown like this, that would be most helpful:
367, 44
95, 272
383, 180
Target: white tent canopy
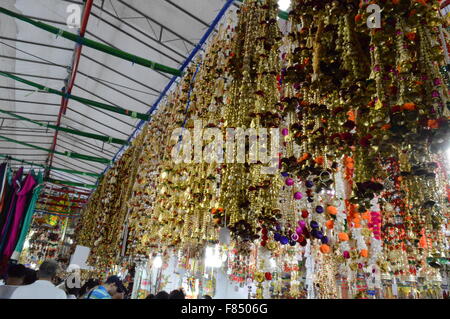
163, 31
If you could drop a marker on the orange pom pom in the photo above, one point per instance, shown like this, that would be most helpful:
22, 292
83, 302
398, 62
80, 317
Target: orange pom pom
364, 253
343, 237
366, 215
319, 160
409, 106
348, 160
330, 224
351, 116
411, 36
332, 210
433, 124
423, 242
325, 249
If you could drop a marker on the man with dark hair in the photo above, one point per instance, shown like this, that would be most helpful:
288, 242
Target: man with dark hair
87, 287
162, 295
110, 288
177, 294
43, 288
121, 292
16, 276
30, 276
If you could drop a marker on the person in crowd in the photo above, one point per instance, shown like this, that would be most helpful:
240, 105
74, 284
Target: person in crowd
87, 287
72, 293
121, 292
177, 294
43, 288
150, 296
15, 278
162, 295
30, 276
112, 285
207, 297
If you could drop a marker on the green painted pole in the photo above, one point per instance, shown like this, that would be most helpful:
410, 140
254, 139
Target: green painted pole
94, 44
59, 182
68, 154
70, 171
54, 212
103, 138
96, 104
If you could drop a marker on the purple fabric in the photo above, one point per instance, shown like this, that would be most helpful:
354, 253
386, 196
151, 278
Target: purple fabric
12, 205
21, 207
8, 219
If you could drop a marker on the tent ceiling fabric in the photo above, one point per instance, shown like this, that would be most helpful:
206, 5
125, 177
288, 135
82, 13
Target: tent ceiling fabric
163, 31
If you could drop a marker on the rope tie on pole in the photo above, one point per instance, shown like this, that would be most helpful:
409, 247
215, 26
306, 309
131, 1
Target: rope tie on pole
66, 94
79, 40
44, 89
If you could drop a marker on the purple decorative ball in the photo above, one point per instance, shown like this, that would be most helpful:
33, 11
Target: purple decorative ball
289, 181
346, 254
302, 224
324, 240
277, 237
284, 240
299, 230
314, 224
309, 184
317, 233
284, 132
298, 195
319, 209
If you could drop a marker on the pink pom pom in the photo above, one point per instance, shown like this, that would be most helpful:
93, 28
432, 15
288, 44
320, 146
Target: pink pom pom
298, 195
289, 182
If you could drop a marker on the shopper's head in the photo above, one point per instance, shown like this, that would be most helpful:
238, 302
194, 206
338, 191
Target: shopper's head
176, 294
88, 286
120, 294
48, 269
16, 274
30, 276
150, 296
162, 295
113, 285
207, 297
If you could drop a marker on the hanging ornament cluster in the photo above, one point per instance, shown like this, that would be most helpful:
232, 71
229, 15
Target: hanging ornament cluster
347, 192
